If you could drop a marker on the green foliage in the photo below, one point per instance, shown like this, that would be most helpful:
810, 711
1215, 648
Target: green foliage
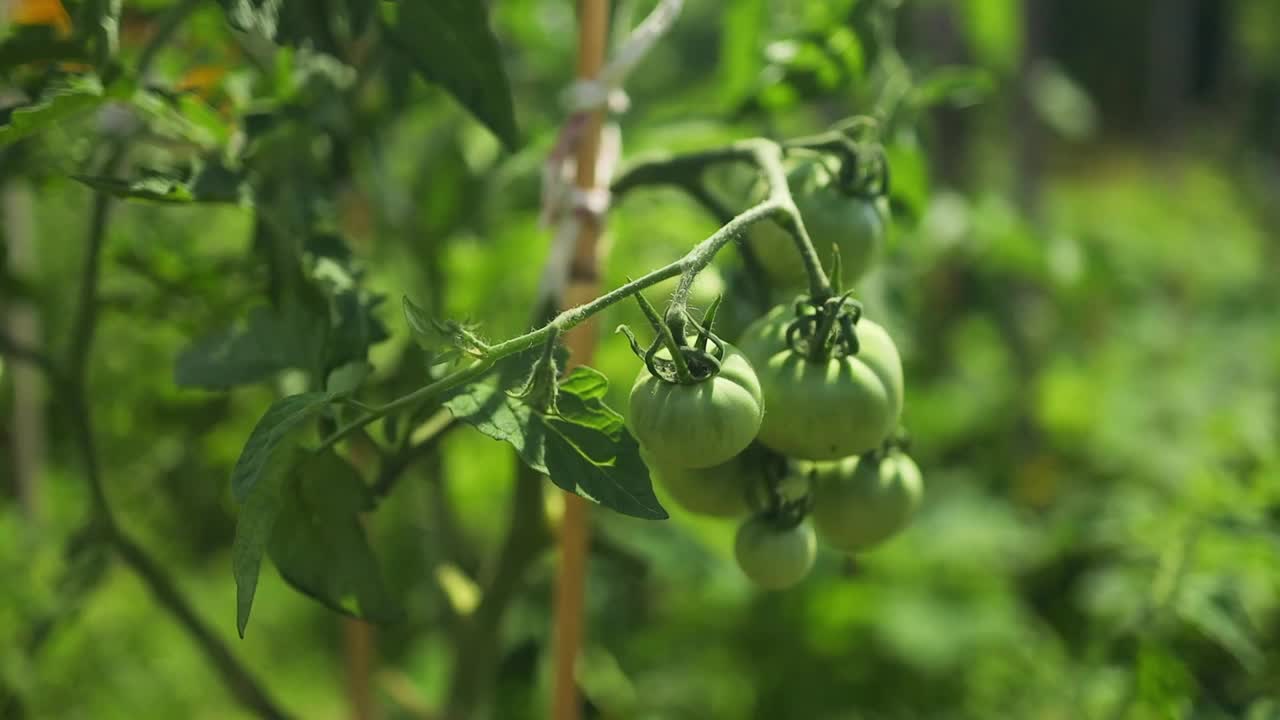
66, 101
254, 16
213, 183
258, 483
582, 445
451, 44
1086, 320
318, 543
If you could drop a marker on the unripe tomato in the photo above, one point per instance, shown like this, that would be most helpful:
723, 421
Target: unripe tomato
860, 503
830, 409
700, 424
858, 226
719, 491
775, 557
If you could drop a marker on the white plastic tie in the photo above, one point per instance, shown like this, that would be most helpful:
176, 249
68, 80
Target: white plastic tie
586, 96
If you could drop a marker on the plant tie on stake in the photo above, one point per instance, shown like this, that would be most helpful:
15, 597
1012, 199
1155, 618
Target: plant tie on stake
583, 97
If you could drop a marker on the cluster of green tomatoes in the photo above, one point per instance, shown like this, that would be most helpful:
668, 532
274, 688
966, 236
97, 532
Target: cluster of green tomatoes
795, 428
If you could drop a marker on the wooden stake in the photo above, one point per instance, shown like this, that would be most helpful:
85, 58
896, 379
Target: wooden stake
584, 284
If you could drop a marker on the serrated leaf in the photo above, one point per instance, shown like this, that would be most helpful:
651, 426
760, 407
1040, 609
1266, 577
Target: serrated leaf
260, 17
1223, 620
273, 430
428, 335
319, 545
489, 409
293, 336
956, 86
254, 525
257, 484
584, 448
451, 44
167, 119
345, 379
207, 184
591, 452
910, 187
78, 95
356, 327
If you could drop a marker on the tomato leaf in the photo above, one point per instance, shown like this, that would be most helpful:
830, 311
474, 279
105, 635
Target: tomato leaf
259, 17
451, 44
273, 339
273, 430
488, 408
429, 336
257, 485
346, 379
319, 545
1222, 618
591, 453
77, 95
584, 447
213, 183
38, 44
955, 86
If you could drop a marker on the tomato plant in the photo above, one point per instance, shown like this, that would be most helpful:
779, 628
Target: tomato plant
774, 556
700, 423
719, 490
859, 502
829, 407
319, 293
852, 224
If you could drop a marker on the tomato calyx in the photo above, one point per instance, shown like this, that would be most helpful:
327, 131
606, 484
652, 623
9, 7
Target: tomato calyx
897, 442
775, 499
863, 169
864, 173
826, 329
687, 362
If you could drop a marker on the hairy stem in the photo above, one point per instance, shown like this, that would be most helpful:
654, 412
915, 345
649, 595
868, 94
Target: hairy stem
238, 680
779, 206
242, 685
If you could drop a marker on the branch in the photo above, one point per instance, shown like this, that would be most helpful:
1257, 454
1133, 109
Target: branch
693, 262
676, 169
86, 314
22, 353
242, 685
478, 645
779, 206
394, 467
84, 325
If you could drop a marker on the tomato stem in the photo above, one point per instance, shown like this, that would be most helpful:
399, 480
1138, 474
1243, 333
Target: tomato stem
668, 340
765, 153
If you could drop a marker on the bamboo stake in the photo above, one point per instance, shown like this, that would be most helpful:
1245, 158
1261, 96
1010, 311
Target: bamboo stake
583, 285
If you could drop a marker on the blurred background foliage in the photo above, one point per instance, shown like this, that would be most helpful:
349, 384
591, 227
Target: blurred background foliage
1081, 279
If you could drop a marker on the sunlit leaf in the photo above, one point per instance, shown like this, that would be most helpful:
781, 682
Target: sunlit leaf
75, 96
584, 446
292, 336
451, 44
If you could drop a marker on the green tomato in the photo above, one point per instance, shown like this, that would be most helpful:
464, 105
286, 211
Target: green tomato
860, 503
830, 409
702, 424
773, 557
719, 491
858, 226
